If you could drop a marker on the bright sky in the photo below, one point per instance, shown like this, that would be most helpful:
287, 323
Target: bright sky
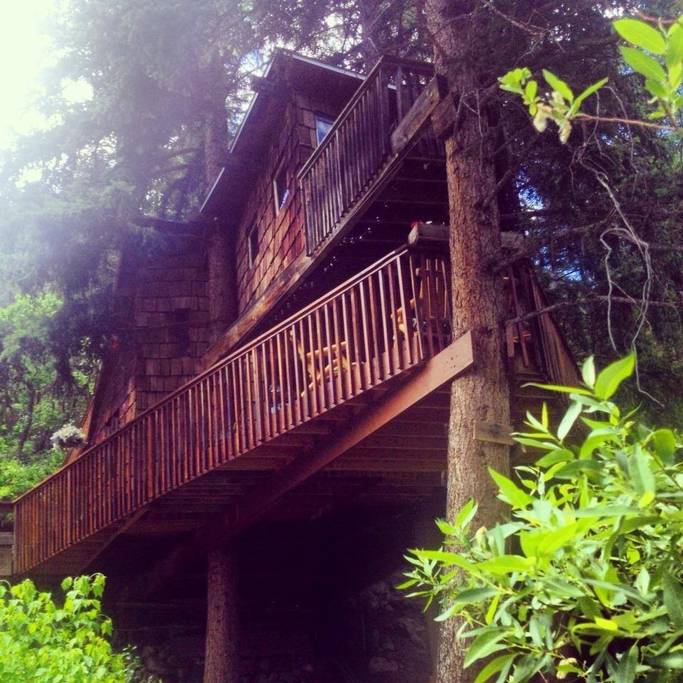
24, 52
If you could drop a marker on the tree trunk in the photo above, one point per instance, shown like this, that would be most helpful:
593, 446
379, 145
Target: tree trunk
481, 395
221, 662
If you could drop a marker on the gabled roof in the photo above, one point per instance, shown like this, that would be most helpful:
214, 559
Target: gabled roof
286, 72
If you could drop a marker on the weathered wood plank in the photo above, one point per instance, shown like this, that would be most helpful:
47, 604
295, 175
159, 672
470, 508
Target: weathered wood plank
410, 126
427, 235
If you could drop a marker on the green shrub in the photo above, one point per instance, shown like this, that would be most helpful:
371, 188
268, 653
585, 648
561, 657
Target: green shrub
43, 642
584, 580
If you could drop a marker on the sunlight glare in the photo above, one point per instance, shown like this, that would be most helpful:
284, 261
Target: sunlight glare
25, 50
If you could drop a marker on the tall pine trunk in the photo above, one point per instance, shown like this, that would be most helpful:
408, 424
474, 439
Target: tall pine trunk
481, 395
221, 661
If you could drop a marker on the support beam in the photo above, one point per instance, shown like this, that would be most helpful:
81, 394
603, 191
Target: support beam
221, 660
442, 368
409, 127
428, 235
122, 528
446, 365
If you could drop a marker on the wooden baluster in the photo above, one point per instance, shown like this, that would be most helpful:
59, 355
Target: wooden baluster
367, 340
351, 348
285, 405
397, 356
273, 388
407, 311
308, 356
328, 378
292, 381
384, 314
342, 350
242, 410
221, 434
319, 361
193, 428
299, 401
236, 412
264, 388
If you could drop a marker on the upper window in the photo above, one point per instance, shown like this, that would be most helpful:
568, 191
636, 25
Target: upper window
280, 188
252, 246
322, 127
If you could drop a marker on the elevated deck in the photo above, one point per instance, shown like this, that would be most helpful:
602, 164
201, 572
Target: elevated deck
259, 401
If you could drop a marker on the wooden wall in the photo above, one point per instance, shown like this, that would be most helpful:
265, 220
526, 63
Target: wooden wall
165, 330
280, 233
166, 325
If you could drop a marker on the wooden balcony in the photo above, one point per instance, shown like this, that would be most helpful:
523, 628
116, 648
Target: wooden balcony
380, 324
364, 146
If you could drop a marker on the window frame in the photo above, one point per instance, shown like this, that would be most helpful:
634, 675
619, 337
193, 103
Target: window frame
323, 118
281, 172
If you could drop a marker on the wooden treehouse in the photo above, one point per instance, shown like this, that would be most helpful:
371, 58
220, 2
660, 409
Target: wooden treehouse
279, 392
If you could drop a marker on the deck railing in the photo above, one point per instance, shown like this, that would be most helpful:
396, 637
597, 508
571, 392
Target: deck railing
384, 321
358, 145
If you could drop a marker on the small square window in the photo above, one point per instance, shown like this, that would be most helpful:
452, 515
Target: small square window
322, 127
252, 246
280, 187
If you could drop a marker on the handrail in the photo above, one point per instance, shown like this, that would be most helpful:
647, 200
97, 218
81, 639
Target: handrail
383, 62
230, 357
375, 326
358, 145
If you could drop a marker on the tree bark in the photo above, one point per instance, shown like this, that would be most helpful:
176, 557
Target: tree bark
457, 29
221, 662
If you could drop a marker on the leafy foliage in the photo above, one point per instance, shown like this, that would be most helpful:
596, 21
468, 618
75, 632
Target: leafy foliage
585, 579
34, 401
46, 642
657, 55
560, 107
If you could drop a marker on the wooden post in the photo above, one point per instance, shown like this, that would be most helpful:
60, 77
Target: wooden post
221, 661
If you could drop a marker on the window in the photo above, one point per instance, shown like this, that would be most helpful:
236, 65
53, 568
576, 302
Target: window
322, 127
252, 246
280, 188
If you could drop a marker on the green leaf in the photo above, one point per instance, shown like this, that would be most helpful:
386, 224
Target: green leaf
580, 98
474, 595
588, 367
641, 472
554, 457
665, 445
608, 381
625, 672
563, 588
559, 388
466, 514
674, 50
505, 564
656, 89
558, 85
511, 493
643, 64
444, 557
568, 420
640, 34
499, 664
484, 645
673, 599
571, 469
670, 661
